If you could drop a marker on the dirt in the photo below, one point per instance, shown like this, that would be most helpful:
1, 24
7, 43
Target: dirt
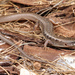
48, 54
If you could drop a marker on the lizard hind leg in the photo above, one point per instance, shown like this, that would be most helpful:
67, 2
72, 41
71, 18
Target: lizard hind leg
47, 42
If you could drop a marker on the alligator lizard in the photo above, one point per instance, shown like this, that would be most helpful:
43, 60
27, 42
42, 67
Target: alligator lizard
46, 27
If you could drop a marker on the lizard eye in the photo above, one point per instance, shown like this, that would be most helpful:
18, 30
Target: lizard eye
66, 44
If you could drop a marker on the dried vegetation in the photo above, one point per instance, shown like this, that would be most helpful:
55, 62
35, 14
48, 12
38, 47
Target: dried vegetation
32, 41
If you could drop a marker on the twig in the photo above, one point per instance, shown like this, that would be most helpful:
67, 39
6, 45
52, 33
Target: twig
4, 70
64, 24
48, 9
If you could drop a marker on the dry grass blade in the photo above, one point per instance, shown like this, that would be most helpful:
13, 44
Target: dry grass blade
4, 70
64, 24
11, 48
